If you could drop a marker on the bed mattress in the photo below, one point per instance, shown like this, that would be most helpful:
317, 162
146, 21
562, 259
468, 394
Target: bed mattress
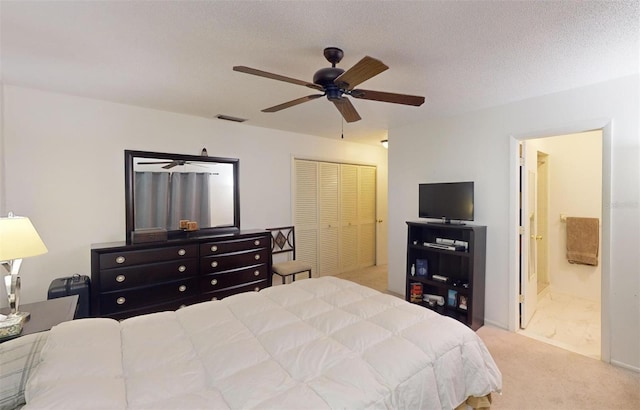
313, 344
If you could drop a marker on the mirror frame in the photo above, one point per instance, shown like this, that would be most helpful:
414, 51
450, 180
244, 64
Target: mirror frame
129, 155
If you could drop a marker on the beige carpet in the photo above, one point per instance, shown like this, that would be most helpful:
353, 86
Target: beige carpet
539, 376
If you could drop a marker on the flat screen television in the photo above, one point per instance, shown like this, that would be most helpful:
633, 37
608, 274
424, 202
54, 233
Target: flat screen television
448, 201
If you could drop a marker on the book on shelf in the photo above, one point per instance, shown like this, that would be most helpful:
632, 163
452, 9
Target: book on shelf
416, 292
452, 298
422, 267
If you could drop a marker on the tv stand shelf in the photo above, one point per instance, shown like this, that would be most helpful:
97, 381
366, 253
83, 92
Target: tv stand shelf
445, 251
464, 269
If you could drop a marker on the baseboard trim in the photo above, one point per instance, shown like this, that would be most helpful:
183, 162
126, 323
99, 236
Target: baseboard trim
496, 324
625, 366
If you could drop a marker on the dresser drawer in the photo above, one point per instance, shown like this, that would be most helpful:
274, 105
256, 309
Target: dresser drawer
130, 258
220, 263
221, 247
118, 301
223, 293
161, 307
217, 281
148, 274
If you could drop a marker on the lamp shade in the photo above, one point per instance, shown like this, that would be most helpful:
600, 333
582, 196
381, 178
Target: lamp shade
19, 239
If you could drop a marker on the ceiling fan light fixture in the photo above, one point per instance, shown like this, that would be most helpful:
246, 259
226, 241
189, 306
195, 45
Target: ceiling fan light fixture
385, 143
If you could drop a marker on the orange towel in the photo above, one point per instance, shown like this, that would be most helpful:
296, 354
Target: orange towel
583, 240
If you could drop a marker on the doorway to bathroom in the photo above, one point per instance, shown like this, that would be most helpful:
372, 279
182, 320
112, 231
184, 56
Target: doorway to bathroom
560, 301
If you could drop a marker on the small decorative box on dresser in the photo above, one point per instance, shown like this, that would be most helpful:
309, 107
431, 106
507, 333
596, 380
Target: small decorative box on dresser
128, 280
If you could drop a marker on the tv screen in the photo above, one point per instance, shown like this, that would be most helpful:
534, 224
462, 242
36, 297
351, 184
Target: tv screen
446, 200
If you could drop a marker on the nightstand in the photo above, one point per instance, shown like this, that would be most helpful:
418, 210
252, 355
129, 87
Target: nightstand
46, 314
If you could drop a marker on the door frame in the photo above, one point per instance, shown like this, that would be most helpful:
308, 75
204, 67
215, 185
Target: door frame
543, 216
514, 231
529, 232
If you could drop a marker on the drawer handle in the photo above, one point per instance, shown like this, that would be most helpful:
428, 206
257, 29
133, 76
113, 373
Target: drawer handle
256, 273
182, 268
120, 259
182, 288
256, 242
214, 264
182, 252
214, 282
214, 248
120, 278
257, 257
214, 298
257, 288
121, 300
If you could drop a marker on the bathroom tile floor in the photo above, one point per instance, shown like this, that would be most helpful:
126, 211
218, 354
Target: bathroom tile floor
567, 321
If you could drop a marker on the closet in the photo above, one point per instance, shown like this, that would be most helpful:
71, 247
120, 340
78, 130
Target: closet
335, 215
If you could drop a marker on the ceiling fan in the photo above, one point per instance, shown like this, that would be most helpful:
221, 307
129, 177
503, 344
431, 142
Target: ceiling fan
336, 84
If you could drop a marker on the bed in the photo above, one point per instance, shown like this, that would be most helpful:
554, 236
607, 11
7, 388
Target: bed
314, 344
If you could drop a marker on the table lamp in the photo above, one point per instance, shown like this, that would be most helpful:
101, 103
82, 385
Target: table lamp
18, 239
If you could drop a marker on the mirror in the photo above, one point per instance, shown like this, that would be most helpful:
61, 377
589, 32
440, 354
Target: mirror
164, 189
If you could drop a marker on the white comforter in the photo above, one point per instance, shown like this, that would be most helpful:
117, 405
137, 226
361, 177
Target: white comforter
314, 344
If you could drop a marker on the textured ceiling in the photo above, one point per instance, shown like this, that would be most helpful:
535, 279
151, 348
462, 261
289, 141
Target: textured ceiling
178, 55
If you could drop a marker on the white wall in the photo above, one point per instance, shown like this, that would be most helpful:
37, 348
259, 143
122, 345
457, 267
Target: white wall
575, 189
65, 170
476, 146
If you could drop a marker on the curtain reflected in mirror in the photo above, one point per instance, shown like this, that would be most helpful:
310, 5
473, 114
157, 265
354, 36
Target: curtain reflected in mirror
165, 198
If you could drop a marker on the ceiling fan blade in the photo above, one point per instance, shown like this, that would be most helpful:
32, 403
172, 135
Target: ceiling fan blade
292, 103
388, 97
347, 109
260, 73
363, 70
154, 162
171, 165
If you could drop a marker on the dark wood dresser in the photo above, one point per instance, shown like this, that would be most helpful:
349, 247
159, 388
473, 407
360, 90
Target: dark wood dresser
129, 280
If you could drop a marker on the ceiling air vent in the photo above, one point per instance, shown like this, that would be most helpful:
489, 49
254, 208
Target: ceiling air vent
230, 118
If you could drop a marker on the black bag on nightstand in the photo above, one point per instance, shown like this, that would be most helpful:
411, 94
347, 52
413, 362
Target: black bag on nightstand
72, 285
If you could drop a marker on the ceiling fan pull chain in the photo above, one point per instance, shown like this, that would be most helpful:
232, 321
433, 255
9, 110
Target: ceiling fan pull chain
342, 135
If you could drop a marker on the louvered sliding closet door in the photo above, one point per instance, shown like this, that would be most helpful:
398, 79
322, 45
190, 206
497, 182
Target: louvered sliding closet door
306, 212
349, 217
366, 216
329, 222
335, 215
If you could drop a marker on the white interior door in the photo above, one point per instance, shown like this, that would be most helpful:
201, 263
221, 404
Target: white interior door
366, 216
328, 219
528, 254
306, 212
348, 217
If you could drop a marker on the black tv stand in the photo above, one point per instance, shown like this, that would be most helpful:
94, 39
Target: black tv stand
456, 275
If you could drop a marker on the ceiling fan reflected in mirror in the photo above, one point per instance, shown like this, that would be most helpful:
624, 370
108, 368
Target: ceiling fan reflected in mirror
336, 84
169, 164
